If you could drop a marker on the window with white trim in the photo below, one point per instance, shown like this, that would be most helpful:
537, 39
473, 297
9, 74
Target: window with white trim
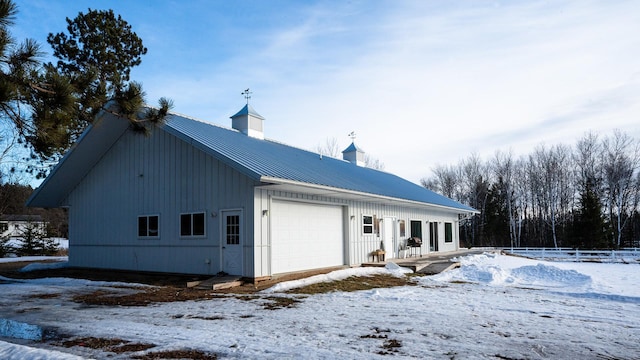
192, 224
448, 232
149, 226
367, 224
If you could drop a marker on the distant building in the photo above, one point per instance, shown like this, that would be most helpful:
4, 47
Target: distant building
199, 198
13, 226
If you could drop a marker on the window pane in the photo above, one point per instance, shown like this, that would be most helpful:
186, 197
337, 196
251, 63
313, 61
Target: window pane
416, 229
403, 232
142, 226
198, 224
233, 230
367, 224
185, 225
448, 232
153, 225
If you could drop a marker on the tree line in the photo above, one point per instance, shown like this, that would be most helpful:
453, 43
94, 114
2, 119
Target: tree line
582, 196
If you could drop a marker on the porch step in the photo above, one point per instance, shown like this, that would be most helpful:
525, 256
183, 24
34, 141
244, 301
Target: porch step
216, 283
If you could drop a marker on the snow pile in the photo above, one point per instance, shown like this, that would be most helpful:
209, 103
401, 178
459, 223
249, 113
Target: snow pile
578, 278
45, 266
548, 276
484, 269
34, 258
14, 351
389, 269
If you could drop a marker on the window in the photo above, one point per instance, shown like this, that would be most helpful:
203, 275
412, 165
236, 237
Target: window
433, 236
192, 224
367, 224
403, 232
149, 226
416, 228
233, 230
448, 232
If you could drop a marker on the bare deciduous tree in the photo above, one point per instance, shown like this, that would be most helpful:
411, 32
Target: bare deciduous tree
330, 148
620, 162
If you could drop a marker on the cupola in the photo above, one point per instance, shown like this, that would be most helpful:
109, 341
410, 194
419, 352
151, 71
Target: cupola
247, 120
353, 154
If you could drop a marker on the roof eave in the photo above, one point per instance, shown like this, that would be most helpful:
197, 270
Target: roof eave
328, 190
94, 142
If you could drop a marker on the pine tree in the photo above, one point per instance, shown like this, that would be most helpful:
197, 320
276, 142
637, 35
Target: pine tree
589, 225
496, 226
49, 105
5, 247
32, 240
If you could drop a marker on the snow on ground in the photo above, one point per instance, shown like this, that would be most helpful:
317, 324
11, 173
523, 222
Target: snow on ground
493, 306
34, 258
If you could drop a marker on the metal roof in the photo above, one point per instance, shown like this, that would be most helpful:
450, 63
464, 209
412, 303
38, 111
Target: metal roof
248, 110
351, 148
267, 160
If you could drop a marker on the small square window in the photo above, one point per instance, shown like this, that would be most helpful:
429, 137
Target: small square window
149, 226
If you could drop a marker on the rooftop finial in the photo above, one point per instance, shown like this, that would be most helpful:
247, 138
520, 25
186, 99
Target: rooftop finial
352, 135
247, 95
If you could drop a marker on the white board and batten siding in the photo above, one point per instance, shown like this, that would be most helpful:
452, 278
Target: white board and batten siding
154, 175
291, 231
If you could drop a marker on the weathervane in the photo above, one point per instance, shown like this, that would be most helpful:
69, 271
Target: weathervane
247, 95
352, 135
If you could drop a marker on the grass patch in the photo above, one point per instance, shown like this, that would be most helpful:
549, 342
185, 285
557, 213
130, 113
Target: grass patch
355, 283
44, 296
114, 345
207, 317
177, 354
145, 297
460, 282
279, 302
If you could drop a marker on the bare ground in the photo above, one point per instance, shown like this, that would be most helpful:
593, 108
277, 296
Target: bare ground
172, 287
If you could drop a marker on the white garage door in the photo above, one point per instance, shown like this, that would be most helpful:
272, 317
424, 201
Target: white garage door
305, 236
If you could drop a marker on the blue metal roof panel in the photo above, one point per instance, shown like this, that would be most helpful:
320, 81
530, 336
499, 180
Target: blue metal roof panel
351, 148
266, 158
248, 110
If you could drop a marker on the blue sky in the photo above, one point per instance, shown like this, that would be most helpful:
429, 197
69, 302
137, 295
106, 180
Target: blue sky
420, 82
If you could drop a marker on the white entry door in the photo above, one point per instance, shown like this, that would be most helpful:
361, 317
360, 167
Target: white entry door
232, 242
388, 237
